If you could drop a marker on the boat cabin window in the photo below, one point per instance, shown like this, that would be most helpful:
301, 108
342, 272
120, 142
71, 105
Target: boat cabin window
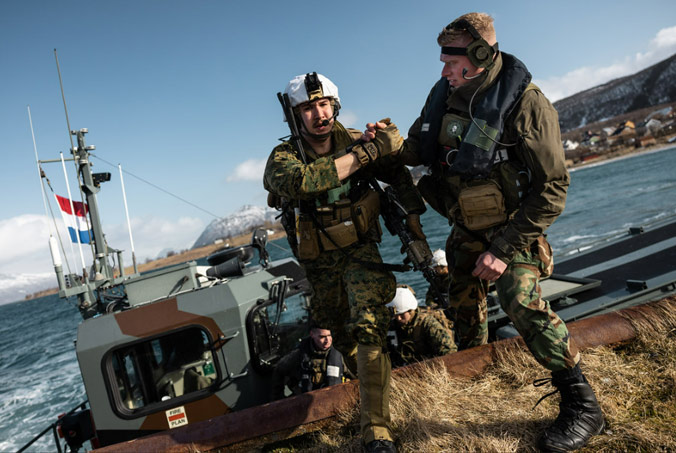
274, 330
160, 369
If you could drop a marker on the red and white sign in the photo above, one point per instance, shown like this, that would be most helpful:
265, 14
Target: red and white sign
176, 417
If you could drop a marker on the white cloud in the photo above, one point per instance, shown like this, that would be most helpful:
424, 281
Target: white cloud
23, 241
249, 170
25, 261
153, 235
659, 48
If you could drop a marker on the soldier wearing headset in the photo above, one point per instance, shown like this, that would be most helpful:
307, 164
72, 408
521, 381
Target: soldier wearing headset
492, 143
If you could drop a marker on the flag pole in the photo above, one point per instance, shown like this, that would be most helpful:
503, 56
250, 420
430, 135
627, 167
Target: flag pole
126, 210
72, 212
53, 248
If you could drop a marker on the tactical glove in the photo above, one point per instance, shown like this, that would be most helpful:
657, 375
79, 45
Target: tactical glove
414, 226
387, 141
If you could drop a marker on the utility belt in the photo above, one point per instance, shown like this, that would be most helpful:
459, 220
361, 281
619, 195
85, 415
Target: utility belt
337, 225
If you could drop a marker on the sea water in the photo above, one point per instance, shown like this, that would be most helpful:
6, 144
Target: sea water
39, 374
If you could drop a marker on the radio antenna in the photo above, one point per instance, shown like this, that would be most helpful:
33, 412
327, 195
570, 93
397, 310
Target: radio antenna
72, 150
63, 96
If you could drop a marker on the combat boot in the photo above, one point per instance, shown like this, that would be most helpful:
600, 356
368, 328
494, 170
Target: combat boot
380, 446
580, 415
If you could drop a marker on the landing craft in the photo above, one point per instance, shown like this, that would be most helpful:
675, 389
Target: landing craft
178, 345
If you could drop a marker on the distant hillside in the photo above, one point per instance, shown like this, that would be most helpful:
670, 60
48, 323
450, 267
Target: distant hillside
653, 86
242, 221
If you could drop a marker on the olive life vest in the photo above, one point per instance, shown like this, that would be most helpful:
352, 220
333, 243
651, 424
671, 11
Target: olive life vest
319, 369
477, 152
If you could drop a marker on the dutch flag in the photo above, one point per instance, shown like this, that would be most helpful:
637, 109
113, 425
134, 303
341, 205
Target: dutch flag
76, 223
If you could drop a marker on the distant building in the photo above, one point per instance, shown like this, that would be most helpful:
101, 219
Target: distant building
649, 127
624, 128
569, 145
647, 140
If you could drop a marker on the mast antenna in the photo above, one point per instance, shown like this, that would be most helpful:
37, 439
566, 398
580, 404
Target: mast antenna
63, 96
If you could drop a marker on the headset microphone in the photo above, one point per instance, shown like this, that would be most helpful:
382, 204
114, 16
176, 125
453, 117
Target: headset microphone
325, 122
464, 72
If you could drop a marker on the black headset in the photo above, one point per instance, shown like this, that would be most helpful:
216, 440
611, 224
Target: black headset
479, 52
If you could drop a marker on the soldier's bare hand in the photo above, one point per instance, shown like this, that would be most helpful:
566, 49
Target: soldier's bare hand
371, 128
488, 267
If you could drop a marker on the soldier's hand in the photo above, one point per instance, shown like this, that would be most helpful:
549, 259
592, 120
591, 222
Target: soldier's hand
366, 153
418, 252
371, 129
489, 267
379, 139
387, 139
414, 226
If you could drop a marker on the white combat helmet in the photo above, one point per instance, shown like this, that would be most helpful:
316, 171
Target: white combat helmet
403, 301
297, 89
439, 258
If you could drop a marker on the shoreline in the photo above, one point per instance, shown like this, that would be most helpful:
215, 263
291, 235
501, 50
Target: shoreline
620, 154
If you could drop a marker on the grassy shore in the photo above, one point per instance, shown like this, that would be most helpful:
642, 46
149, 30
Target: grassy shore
635, 385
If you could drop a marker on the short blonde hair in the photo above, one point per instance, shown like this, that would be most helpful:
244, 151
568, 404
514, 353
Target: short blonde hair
482, 22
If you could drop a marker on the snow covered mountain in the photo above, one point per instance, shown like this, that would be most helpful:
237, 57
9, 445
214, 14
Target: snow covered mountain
242, 221
16, 287
653, 86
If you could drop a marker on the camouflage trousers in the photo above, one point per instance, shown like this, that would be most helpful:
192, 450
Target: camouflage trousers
350, 299
545, 334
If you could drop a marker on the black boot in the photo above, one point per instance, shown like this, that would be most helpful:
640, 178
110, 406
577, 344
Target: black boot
380, 446
580, 415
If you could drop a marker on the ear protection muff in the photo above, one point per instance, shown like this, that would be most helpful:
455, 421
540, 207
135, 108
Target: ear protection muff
479, 52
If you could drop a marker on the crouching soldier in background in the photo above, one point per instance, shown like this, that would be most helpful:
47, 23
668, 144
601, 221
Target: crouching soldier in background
417, 333
312, 365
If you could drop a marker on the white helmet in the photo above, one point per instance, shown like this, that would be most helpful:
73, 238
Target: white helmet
403, 301
308, 87
439, 258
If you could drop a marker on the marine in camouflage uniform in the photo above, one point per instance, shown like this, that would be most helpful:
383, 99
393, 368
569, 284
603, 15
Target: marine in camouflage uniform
422, 338
498, 175
417, 333
350, 285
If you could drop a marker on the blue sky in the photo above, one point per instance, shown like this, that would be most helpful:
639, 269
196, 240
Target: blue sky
183, 93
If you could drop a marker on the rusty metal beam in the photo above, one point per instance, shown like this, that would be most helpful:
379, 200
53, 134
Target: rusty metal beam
256, 426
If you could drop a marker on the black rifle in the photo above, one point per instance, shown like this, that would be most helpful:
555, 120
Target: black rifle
418, 253
288, 215
294, 138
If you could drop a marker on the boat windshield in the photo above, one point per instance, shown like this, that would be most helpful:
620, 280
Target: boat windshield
157, 370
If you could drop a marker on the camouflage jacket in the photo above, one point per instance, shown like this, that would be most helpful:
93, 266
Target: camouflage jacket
533, 126
287, 176
423, 337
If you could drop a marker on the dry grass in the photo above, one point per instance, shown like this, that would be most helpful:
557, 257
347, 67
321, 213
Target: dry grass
635, 385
